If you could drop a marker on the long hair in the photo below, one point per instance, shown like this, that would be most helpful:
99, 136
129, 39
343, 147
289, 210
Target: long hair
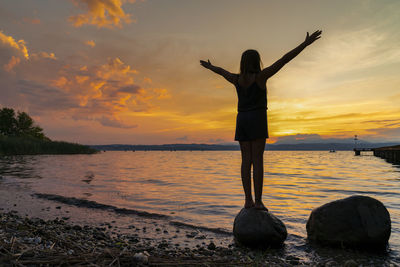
250, 62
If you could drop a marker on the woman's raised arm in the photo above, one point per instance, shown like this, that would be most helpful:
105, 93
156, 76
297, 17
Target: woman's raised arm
274, 68
230, 77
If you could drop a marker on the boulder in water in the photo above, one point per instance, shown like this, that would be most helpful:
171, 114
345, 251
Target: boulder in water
254, 228
356, 221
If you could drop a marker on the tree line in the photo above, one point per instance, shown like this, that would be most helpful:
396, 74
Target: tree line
19, 124
20, 135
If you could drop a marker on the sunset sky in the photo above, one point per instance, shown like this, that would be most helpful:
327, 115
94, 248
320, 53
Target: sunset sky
126, 71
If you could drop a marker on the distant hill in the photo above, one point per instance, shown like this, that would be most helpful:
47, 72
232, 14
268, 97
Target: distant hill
213, 147
166, 147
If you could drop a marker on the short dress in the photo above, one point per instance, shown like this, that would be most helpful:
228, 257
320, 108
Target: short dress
251, 120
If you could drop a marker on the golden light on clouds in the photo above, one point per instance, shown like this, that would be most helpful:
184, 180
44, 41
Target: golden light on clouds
44, 55
17, 45
112, 84
102, 13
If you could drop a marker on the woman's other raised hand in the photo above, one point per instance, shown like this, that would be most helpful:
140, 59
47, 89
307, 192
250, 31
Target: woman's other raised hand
205, 64
313, 37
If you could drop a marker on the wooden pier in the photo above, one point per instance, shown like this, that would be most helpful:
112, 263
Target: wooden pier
358, 151
389, 153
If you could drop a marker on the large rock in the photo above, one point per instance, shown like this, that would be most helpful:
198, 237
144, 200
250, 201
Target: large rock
357, 221
258, 228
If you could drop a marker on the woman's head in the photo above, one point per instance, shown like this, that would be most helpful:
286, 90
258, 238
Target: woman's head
250, 62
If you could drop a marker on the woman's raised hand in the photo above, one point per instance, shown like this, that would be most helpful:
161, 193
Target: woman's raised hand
205, 64
313, 37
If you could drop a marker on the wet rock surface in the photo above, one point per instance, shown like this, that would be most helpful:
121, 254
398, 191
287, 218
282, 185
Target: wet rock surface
357, 222
254, 228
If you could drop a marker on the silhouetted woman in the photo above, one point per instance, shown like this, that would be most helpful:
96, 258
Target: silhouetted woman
251, 121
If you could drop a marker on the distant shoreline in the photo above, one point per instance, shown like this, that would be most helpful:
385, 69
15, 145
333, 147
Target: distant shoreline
216, 147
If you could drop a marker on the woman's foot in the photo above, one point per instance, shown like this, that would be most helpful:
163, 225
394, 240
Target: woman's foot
260, 206
248, 204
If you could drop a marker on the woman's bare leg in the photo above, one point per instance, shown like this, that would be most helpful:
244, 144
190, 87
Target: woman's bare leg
257, 150
245, 148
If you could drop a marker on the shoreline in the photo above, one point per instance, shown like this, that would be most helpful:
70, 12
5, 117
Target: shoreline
37, 241
30, 226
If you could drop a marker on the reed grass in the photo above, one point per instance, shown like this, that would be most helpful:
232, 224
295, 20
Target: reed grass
10, 145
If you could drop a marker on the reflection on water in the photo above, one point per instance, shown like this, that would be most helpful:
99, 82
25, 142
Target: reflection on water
204, 188
19, 166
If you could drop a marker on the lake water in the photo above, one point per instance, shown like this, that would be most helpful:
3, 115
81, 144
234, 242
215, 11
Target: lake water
203, 188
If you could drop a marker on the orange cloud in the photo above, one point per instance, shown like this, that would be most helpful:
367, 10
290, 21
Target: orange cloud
90, 43
104, 92
20, 51
102, 13
162, 93
17, 45
44, 55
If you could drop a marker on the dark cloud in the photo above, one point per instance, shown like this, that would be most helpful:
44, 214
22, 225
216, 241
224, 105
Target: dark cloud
112, 122
133, 89
41, 99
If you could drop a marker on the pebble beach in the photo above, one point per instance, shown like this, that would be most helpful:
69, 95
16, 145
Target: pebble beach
34, 241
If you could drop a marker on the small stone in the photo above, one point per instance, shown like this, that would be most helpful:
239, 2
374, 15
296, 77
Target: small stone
163, 245
140, 257
211, 246
293, 260
77, 227
165, 232
191, 234
146, 253
331, 264
350, 263
158, 229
